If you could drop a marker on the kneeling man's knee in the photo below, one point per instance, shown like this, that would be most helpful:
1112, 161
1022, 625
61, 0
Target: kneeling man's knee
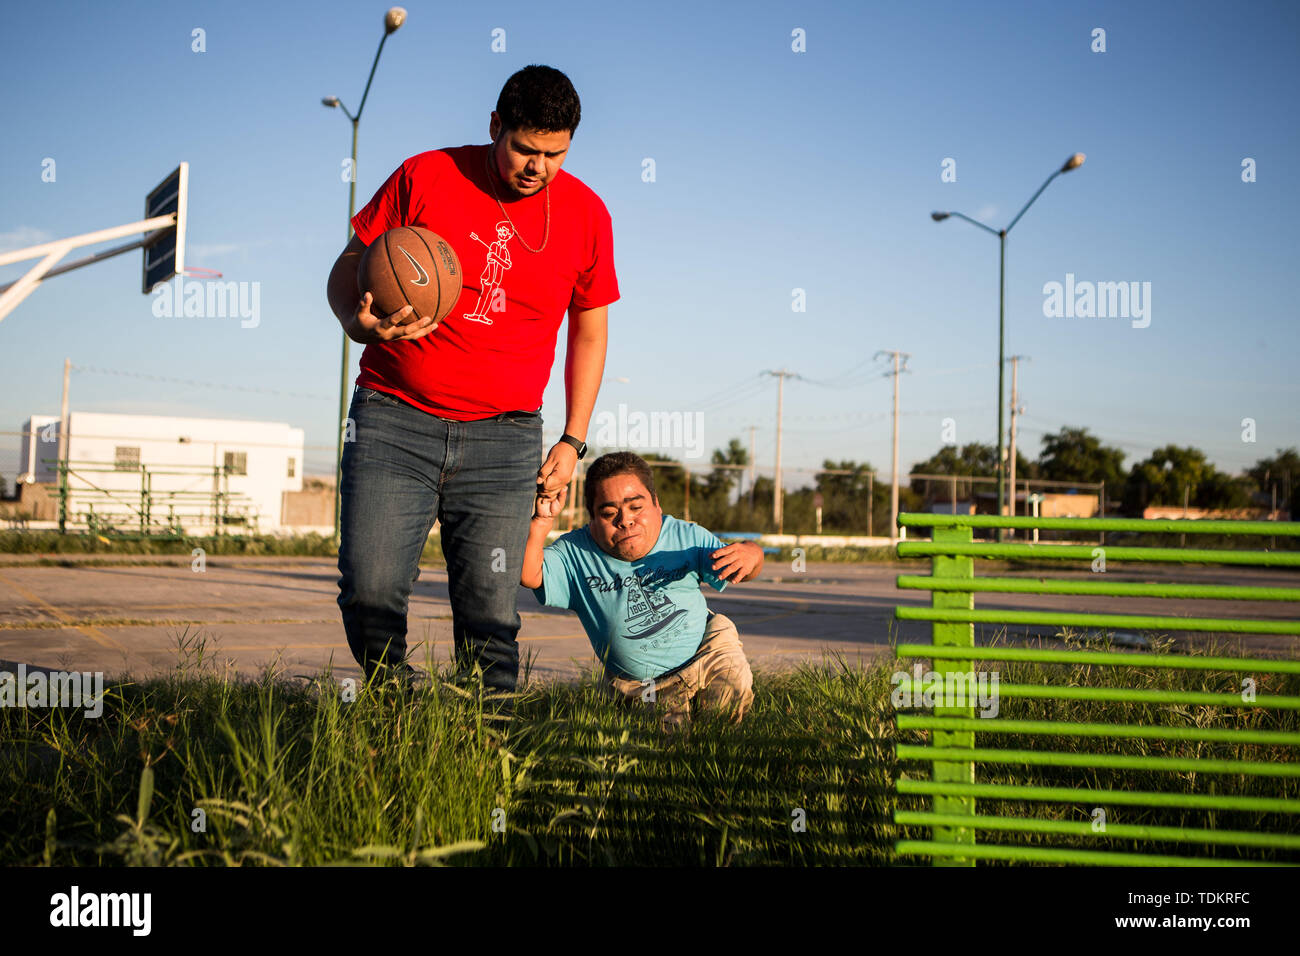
729, 686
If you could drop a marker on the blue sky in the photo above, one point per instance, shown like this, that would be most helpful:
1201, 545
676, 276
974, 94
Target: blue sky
775, 170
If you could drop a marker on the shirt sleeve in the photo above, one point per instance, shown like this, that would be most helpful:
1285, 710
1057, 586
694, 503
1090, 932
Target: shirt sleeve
597, 284
555, 590
387, 209
706, 542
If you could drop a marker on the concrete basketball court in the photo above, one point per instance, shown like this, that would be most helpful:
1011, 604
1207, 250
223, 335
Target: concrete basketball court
121, 616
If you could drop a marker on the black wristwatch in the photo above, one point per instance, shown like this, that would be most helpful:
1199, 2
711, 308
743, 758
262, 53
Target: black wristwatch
579, 446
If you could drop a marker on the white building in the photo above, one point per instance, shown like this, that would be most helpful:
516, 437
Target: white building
134, 468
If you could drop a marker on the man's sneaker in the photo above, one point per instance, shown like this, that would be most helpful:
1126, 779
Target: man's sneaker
415, 679
499, 704
404, 676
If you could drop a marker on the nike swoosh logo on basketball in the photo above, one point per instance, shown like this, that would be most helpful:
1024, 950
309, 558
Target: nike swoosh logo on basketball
424, 276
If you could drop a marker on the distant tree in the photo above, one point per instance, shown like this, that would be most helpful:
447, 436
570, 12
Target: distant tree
4, 488
670, 483
1282, 472
853, 484
721, 481
1171, 470
798, 511
975, 459
1074, 455
845, 504
764, 488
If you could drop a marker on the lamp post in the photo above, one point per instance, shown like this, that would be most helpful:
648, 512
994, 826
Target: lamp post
393, 19
1074, 162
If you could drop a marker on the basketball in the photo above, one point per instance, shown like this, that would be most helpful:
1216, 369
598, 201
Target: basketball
410, 266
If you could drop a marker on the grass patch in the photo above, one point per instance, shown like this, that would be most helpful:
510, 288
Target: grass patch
51, 542
1143, 715
286, 773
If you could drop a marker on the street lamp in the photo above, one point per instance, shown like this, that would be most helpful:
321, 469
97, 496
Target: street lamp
393, 19
1074, 162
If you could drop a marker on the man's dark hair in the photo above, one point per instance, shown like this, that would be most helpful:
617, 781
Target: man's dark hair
616, 463
539, 98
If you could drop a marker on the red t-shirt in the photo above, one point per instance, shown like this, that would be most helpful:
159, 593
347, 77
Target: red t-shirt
493, 353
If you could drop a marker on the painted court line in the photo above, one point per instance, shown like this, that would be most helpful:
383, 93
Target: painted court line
96, 635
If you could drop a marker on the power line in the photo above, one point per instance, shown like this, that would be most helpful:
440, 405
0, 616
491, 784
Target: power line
725, 401
949, 371
187, 381
845, 379
725, 392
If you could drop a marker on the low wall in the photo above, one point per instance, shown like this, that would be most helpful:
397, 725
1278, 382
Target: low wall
1226, 514
313, 507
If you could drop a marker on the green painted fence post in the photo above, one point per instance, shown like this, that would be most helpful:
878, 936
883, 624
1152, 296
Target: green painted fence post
954, 635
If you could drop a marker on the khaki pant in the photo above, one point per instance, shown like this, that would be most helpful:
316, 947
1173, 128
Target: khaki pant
717, 677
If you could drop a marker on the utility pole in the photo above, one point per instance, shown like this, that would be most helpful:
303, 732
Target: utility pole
871, 500
778, 515
63, 415
61, 466
1272, 515
753, 475
1015, 410
900, 361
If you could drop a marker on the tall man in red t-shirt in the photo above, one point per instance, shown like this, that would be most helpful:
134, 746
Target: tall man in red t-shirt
446, 415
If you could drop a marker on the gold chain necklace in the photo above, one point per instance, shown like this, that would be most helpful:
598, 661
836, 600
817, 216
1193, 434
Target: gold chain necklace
491, 185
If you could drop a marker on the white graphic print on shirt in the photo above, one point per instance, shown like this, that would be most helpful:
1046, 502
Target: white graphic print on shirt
498, 260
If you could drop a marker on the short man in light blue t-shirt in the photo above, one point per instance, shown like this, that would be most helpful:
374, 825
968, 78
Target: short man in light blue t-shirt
633, 576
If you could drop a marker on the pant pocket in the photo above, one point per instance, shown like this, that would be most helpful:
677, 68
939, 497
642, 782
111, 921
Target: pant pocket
369, 396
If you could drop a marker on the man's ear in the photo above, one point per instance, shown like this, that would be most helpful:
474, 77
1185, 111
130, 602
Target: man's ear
494, 126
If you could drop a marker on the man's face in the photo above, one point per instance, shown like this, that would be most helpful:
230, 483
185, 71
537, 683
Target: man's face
526, 160
627, 520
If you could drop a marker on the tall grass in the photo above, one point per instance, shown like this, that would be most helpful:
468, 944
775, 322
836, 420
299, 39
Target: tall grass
199, 767
51, 542
1145, 715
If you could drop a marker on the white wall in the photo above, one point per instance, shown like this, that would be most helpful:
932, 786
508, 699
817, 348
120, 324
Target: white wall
190, 447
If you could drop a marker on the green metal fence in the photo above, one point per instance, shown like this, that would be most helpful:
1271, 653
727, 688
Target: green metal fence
143, 511
1206, 762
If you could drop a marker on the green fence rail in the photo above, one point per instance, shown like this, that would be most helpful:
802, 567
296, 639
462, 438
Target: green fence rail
957, 703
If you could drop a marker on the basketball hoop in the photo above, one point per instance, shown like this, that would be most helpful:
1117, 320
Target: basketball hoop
164, 230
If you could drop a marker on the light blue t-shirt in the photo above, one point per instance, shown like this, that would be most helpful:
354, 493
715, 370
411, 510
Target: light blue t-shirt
643, 617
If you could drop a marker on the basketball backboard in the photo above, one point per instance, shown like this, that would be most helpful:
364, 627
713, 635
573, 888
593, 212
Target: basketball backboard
165, 256
163, 244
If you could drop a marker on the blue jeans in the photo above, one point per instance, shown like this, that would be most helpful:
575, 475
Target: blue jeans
403, 467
